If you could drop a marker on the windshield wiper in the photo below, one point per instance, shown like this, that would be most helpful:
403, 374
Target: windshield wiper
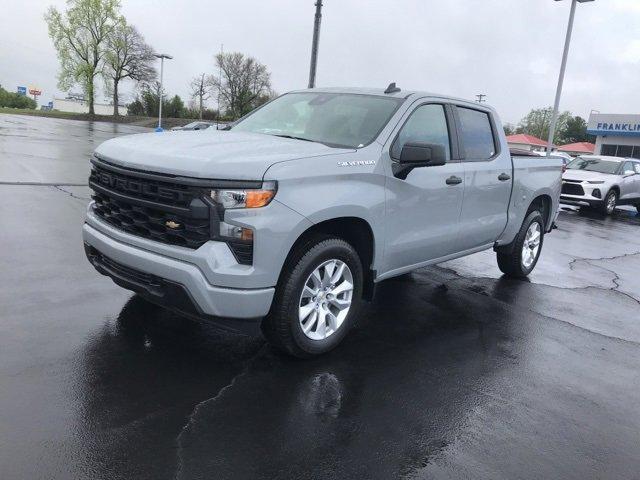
296, 138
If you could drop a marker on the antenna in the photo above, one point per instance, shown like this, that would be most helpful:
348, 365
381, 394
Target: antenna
392, 88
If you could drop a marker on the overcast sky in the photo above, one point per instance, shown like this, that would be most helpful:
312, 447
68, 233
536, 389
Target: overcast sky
507, 49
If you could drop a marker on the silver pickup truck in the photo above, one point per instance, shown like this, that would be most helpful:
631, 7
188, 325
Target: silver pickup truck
288, 220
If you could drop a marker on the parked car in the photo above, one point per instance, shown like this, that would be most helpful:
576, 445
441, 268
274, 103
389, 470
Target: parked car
288, 220
602, 182
199, 125
565, 156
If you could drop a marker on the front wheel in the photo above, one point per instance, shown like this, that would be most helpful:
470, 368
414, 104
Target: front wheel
317, 298
610, 202
520, 257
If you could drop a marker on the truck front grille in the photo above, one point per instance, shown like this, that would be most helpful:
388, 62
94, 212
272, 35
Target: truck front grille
138, 203
572, 189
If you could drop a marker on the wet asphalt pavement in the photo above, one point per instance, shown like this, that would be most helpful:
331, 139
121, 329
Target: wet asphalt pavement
453, 372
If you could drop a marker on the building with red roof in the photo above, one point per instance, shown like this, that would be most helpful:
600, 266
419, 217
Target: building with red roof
526, 142
578, 148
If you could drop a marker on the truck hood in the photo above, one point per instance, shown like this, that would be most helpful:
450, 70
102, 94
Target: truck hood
582, 175
208, 154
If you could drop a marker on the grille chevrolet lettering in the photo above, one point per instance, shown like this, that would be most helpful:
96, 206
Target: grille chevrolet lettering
126, 185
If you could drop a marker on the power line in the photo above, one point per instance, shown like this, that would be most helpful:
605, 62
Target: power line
481, 98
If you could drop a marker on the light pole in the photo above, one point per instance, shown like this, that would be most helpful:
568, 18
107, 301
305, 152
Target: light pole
563, 66
161, 56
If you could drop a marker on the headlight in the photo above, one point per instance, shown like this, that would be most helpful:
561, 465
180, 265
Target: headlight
245, 198
595, 182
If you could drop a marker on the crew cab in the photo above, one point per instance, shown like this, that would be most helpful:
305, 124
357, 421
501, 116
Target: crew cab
602, 182
289, 219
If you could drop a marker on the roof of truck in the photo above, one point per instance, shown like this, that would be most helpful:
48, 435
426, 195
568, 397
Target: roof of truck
380, 92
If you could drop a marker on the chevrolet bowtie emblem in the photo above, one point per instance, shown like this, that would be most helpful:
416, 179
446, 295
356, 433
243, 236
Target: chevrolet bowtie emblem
171, 224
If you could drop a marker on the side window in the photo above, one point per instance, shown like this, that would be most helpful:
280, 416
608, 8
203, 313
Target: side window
476, 134
627, 168
427, 124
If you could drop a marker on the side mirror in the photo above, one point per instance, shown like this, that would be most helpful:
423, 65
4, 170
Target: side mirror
629, 173
418, 154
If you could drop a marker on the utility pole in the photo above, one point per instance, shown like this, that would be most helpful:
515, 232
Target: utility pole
481, 98
220, 83
314, 45
161, 56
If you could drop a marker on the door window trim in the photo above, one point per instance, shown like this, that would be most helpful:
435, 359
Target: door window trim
451, 129
494, 133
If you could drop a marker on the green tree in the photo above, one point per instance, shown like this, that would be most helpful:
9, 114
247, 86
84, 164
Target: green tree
14, 100
174, 108
147, 103
80, 37
508, 129
243, 85
575, 131
538, 122
127, 56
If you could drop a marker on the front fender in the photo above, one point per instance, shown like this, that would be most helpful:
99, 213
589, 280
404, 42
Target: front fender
319, 189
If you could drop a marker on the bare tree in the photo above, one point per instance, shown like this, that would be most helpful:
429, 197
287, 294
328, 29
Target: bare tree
79, 36
127, 56
201, 89
243, 84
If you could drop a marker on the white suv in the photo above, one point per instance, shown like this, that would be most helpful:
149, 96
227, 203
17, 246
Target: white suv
602, 182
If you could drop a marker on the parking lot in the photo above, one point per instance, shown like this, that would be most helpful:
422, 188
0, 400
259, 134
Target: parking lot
453, 371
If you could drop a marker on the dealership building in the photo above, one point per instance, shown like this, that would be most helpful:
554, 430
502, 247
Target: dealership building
617, 135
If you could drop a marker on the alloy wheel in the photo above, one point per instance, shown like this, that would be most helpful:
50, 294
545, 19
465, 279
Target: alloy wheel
531, 245
325, 299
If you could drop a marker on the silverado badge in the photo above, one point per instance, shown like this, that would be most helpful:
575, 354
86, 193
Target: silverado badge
171, 224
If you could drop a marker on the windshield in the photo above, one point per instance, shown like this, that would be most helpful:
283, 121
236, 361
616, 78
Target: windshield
594, 165
334, 119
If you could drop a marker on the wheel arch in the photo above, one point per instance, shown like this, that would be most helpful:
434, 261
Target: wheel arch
544, 204
357, 232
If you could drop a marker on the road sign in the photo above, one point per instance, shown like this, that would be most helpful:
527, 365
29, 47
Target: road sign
22, 90
34, 91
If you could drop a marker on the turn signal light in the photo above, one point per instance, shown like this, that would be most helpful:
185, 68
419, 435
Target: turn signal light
258, 198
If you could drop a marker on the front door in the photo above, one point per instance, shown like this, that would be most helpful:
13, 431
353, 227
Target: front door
488, 179
422, 210
630, 184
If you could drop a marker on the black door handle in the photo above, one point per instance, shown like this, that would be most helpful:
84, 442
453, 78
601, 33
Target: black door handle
503, 177
453, 180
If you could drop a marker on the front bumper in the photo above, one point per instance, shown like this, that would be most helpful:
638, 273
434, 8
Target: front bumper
581, 200
173, 274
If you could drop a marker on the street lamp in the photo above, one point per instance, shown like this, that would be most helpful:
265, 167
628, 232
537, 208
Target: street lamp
161, 56
563, 66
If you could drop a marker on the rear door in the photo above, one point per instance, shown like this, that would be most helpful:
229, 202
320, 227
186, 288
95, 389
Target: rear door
422, 210
488, 172
630, 184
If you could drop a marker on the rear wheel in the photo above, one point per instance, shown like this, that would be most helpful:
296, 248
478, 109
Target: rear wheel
610, 202
316, 299
520, 257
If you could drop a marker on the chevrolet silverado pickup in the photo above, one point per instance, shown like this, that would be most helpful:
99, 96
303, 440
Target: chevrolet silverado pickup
286, 221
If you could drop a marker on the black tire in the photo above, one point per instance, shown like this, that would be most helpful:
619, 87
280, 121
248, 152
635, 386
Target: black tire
607, 208
281, 327
509, 257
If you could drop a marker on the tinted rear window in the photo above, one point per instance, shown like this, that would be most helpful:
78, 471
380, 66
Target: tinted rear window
476, 134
